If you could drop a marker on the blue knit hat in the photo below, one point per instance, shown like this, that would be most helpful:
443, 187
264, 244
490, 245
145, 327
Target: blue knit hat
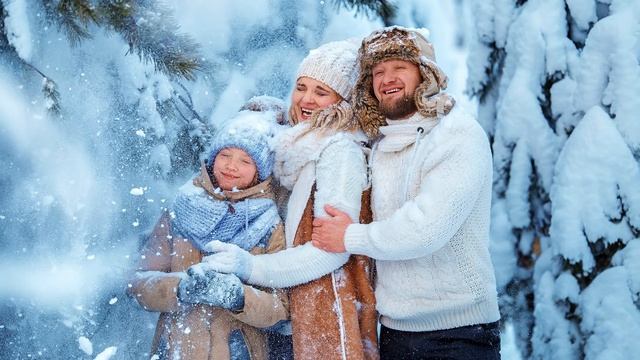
249, 132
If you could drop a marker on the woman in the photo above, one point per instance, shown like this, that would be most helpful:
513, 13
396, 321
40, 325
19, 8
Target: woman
321, 160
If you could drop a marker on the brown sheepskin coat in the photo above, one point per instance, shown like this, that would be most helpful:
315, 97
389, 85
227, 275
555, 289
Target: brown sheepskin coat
335, 317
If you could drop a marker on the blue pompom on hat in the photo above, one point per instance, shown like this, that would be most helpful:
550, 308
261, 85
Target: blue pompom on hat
251, 132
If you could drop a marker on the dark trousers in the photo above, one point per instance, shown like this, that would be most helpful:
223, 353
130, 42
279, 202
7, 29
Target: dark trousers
463, 343
280, 346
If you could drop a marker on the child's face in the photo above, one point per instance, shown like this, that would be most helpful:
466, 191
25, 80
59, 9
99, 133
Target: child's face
234, 168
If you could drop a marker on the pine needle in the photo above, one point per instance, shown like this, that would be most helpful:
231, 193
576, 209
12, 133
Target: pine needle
381, 8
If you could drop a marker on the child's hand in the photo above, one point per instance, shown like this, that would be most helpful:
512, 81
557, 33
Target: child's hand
228, 258
211, 288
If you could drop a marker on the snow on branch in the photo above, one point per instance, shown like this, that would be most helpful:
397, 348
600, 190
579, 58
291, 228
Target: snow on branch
152, 34
148, 28
382, 8
73, 18
594, 196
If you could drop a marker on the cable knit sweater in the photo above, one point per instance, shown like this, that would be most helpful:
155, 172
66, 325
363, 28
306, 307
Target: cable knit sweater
336, 163
431, 199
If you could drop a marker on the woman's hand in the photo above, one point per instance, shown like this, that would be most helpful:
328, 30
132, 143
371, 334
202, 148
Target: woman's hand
229, 259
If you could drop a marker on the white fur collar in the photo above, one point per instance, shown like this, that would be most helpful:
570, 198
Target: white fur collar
295, 147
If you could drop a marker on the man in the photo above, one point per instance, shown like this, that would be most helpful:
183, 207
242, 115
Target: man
431, 178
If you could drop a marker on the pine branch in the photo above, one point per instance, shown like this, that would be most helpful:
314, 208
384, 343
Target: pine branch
146, 26
73, 17
49, 87
188, 103
51, 95
381, 8
85, 12
49, 90
3, 15
152, 34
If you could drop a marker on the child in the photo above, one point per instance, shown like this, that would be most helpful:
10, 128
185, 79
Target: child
207, 315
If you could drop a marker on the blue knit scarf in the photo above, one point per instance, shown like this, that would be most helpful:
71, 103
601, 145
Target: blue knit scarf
201, 219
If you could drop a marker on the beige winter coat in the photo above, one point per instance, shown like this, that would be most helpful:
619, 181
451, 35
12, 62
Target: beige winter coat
201, 332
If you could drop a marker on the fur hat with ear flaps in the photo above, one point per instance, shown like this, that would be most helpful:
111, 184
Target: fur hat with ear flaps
402, 44
335, 65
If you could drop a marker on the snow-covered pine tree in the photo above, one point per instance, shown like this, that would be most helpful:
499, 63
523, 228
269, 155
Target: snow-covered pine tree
509, 74
150, 32
595, 228
63, 175
558, 86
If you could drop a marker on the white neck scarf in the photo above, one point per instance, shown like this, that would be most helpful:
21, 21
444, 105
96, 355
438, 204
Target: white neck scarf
399, 134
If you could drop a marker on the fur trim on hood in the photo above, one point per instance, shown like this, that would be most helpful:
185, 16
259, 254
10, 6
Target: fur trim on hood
403, 44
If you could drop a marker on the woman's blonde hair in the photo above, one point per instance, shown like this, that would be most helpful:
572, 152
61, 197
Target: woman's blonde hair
336, 117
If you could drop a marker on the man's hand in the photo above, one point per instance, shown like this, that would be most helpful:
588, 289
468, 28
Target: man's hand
229, 259
328, 233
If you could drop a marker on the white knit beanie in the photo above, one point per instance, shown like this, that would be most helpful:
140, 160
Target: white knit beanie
333, 64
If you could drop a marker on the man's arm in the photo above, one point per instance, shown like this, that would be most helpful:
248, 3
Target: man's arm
424, 224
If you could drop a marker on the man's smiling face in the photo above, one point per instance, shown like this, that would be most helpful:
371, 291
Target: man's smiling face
394, 85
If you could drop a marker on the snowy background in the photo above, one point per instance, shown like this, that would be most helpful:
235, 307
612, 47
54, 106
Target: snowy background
94, 142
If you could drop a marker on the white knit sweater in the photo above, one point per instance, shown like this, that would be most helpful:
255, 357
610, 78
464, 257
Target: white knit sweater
431, 203
336, 163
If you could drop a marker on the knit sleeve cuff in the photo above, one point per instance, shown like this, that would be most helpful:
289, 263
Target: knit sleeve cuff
294, 266
356, 239
258, 272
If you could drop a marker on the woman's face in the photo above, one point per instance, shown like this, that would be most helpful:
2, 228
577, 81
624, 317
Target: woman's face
234, 168
310, 95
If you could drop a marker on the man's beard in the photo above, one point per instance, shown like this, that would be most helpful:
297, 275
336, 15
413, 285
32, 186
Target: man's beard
401, 108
